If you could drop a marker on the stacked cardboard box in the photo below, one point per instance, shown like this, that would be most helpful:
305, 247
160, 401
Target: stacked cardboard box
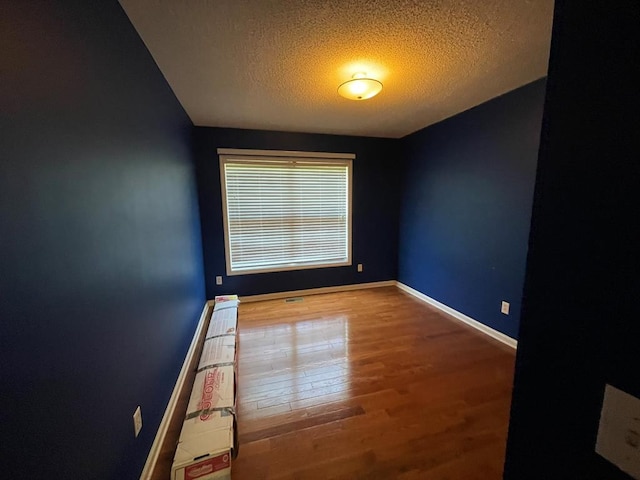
208, 440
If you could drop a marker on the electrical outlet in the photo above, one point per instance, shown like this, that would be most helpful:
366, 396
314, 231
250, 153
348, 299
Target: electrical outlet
219, 280
359, 267
505, 308
137, 421
619, 431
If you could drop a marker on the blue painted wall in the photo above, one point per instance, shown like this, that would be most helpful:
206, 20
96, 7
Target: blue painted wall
375, 208
581, 314
101, 280
466, 206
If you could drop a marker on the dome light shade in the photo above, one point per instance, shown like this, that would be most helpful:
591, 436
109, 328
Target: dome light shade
360, 87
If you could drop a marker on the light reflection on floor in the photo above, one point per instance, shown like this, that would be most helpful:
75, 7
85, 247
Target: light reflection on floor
304, 361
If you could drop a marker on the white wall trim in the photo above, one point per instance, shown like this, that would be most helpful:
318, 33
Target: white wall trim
501, 337
152, 458
316, 291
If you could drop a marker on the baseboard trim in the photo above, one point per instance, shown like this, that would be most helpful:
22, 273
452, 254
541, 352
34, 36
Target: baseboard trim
501, 337
316, 291
154, 453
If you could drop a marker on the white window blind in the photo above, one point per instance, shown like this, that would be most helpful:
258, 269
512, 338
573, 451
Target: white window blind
285, 213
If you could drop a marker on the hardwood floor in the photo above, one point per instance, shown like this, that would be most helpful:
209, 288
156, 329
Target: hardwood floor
368, 384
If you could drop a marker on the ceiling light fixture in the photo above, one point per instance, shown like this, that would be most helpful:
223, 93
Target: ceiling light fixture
360, 87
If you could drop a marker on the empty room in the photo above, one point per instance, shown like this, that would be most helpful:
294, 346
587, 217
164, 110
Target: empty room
426, 211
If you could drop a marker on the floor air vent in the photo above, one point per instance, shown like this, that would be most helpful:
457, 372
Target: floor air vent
293, 299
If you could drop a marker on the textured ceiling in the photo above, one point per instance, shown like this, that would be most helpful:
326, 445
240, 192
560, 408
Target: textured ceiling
276, 65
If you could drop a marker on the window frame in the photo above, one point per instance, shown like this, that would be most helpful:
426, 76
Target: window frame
228, 155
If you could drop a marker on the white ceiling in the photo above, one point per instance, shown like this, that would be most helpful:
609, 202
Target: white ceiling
269, 64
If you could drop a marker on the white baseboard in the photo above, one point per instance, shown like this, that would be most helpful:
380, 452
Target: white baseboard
152, 458
316, 291
507, 340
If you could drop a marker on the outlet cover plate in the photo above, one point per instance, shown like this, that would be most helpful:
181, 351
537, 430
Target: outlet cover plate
219, 280
619, 431
137, 421
505, 308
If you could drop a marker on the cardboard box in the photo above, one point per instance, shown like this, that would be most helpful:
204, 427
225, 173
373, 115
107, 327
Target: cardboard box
212, 388
225, 301
206, 448
223, 322
190, 464
207, 440
224, 298
218, 351
225, 304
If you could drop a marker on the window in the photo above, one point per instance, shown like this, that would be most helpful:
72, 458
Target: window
285, 210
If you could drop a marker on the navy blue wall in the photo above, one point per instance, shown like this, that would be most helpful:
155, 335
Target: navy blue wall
466, 206
581, 314
101, 280
375, 208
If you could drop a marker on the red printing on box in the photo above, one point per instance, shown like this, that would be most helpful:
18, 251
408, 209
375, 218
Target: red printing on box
207, 467
212, 381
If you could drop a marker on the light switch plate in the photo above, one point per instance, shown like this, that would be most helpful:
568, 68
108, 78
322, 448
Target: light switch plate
619, 431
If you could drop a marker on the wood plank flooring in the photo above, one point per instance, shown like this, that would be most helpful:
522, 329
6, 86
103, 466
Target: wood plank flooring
369, 384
